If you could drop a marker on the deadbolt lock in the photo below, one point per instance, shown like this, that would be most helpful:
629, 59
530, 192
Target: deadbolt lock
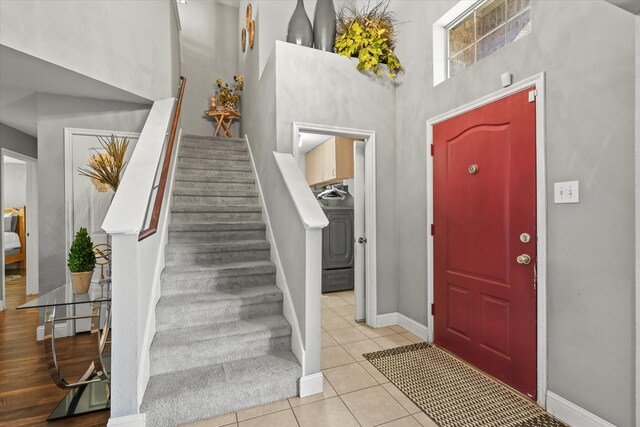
473, 169
523, 259
525, 238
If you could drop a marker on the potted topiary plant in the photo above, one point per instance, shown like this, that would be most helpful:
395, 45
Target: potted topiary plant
81, 261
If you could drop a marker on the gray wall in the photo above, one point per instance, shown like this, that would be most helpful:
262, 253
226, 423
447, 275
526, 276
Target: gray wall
637, 234
174, 32
125, 44
586, 49
54, 114
338, 95
259, 112
210, 48
274, 18
14, 185
305, 93
14, 140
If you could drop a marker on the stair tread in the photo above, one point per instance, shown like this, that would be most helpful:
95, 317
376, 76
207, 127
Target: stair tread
242, 372
227, 156
213, 172
198, 247
230, 295
217, 226
210, 138
246, 329
180, 177
213, 145
214, 192
224, 270
240, 167
178, 207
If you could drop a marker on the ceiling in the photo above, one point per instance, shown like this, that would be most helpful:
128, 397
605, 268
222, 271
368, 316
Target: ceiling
632, 6
309, 141
23, 77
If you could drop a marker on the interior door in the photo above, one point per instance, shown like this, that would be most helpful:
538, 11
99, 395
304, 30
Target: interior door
89, 205
359, 264
485, 239
86, 206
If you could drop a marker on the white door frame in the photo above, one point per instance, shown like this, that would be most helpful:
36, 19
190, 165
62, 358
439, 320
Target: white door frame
32, 221
541, 214
369, 136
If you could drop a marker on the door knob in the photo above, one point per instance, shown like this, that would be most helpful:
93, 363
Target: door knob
362, 240
523, 259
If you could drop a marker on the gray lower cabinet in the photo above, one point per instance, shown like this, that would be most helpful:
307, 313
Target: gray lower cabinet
337, 250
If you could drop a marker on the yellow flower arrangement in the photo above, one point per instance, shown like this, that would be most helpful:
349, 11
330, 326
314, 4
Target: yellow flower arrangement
229, 96
105, 169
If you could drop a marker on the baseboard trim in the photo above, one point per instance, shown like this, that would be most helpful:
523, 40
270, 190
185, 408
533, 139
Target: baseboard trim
573, 414
62, 330
414, 327
386, 319
311, 384
288, 309
136, 420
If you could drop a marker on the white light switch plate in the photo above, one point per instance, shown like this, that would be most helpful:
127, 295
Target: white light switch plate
566, 192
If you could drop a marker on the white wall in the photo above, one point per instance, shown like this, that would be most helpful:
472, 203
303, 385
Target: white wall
586, 49
210, 48
125, 44
14, 184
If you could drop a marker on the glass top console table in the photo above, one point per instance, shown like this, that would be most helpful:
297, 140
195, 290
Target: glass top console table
91, 392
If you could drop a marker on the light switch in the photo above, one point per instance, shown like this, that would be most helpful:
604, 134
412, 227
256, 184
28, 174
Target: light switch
566, 192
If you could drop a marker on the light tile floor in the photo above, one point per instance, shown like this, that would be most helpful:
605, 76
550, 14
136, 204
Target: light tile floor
355, 392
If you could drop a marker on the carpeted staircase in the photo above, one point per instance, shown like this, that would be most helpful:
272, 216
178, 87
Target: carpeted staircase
221, 344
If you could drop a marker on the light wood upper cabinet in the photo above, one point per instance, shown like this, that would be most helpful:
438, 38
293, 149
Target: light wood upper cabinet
330, 162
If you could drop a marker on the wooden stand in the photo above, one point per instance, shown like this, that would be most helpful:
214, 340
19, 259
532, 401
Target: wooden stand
224, 119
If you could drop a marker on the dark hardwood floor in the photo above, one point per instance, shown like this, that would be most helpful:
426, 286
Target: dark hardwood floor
27, 394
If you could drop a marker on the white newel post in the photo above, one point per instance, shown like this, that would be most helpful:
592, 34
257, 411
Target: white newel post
313, 279
124, 329
313, 220
312, 380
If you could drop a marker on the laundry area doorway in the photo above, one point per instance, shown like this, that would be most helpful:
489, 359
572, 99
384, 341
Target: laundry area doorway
339, 166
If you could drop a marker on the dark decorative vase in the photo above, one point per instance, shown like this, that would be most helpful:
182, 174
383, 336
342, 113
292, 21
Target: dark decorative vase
324, 25
299, 31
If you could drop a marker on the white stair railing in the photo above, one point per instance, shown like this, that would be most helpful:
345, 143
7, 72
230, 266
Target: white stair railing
137, 223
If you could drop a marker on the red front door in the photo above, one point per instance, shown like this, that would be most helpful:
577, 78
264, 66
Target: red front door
484, 209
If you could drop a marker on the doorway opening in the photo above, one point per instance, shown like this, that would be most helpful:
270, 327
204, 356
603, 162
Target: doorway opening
339, 165
495, 309
19, 225
86, 205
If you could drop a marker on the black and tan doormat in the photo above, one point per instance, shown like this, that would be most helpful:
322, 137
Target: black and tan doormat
454, 394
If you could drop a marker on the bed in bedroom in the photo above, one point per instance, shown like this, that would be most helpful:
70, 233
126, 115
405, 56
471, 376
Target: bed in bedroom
14, 238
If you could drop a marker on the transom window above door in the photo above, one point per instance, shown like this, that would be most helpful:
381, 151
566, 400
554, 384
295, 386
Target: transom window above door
483, 29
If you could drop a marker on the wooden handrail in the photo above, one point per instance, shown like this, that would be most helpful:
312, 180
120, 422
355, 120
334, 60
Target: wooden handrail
157, 204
